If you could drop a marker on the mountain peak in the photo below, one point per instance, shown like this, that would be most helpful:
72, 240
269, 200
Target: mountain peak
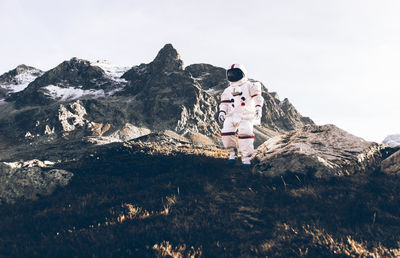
21, 68
167, 60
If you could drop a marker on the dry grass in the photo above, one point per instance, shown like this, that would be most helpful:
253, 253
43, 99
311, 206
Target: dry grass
172, 201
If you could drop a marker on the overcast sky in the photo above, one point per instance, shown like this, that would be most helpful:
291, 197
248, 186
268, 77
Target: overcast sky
336, 60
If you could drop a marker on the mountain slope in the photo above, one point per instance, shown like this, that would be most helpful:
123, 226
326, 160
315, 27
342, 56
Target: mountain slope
161, 198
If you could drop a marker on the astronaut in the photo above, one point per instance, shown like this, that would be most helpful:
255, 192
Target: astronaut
240, 109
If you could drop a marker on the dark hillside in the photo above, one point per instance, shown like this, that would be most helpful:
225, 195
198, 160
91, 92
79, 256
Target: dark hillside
147, 199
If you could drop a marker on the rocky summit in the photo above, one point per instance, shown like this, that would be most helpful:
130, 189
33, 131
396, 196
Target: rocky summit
98, 160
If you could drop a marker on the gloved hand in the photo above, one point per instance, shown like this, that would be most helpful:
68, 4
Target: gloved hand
258, 114
221, 117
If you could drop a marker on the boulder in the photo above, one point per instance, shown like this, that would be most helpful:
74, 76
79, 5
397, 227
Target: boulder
320, 151
200, 139
391, 165
27, 182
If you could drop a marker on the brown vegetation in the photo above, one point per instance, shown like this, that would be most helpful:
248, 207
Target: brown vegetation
144, 200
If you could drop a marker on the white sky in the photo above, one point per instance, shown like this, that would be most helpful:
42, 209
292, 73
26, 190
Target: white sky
336, 60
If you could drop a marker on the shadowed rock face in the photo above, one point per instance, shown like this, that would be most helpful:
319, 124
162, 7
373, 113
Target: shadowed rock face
28, 182
209, 76
391, 165
167, 97
322, 151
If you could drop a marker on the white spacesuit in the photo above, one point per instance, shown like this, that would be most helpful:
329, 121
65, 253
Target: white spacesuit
240, 108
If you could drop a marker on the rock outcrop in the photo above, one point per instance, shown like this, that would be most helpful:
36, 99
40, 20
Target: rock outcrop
3, 93
28, 181
211, 78
321, 151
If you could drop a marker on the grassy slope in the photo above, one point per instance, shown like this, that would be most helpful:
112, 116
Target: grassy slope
128, 202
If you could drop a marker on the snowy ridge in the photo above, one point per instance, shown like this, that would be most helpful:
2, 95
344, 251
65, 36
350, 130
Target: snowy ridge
21, 81
71, 93
114, 73
392, 140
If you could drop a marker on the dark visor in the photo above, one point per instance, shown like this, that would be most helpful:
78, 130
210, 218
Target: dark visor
234, 74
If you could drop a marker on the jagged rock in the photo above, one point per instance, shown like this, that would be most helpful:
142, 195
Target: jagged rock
321, 151
391, 165
210, 77
167, 97
392, 140
29, 182
278, 116
167, 60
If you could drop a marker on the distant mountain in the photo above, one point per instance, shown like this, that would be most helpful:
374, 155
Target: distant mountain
18, 79
79, 98
70, 80
392, 140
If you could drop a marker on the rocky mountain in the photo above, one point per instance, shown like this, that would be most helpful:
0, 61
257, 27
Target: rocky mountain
105, 103
17, 79
70, 80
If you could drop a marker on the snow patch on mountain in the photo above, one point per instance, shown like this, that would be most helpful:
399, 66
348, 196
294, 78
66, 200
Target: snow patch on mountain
112, 71
392, 140
71, 93
22, 80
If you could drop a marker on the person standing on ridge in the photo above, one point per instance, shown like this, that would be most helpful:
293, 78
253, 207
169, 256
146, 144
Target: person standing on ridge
240, 109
